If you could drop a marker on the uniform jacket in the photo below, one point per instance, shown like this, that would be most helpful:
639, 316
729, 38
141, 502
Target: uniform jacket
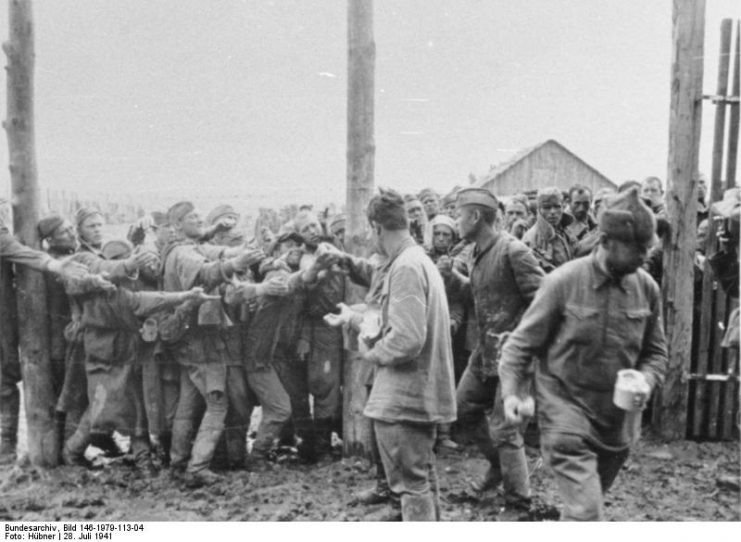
413, 358
584, 326
504, 276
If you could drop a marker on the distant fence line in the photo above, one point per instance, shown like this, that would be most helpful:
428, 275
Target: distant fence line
127, 208
116, 208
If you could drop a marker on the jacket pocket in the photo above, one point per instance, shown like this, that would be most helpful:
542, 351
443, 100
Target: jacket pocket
581, 324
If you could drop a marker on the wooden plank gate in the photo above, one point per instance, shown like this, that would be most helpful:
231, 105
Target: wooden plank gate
713, 378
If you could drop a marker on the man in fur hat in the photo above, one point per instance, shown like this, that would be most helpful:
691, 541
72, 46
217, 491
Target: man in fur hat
590, 318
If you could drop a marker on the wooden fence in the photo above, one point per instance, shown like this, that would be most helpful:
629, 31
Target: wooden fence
116, 208
713, 412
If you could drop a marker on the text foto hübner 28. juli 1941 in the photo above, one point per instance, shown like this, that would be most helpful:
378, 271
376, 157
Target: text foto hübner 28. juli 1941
69, 530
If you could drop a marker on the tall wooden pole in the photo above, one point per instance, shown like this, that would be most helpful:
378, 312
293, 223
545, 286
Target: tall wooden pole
688, 32
360, 164
34, 338
732, 159
716, 177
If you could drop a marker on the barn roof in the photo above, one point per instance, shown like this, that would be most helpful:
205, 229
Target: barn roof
499, 169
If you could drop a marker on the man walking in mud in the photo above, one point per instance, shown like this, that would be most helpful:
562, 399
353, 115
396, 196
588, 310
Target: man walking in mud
591, 318
503, 278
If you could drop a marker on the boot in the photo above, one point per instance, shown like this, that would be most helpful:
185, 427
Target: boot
9, 410
200, 478
73, 452
323, 431
378, 494
514, 471
489, 480
444, 440
59, 421
162, 449
256, 462
307, 448
418, 507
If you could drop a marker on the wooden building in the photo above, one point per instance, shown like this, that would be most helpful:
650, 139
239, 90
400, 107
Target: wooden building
547, 164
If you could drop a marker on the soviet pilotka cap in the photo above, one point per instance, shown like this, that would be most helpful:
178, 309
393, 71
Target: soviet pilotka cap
179, 211
48, 224
219, 212
626, 218
476, 196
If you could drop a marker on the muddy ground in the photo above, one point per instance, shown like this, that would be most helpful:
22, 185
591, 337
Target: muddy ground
682, 481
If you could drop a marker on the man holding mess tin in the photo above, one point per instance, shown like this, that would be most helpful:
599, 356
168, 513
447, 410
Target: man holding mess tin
596, 331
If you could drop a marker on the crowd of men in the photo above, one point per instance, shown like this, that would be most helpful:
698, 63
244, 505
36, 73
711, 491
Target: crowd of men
474, 306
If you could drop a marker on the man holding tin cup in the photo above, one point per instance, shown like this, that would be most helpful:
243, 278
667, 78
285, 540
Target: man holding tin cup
591, 319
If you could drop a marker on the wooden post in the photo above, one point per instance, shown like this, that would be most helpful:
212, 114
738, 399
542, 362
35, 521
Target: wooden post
688, 31
360, 165
735, 110
32, 319
716, 177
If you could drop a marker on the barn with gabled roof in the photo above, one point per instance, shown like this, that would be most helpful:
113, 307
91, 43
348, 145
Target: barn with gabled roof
547, 164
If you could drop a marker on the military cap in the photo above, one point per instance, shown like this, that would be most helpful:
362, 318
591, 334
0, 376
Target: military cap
220, 212
158, 218
339, 221
179, 210
476, 196
626, 218
117, 249
48, 224
84, 213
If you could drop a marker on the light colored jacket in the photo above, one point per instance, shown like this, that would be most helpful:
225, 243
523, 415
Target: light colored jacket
414, 358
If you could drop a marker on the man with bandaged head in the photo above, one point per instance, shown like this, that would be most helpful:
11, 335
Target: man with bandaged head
590, 319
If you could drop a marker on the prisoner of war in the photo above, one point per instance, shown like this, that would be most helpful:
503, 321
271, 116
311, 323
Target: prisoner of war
591, 318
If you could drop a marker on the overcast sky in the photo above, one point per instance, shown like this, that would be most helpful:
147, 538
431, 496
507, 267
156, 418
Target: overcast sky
230, 96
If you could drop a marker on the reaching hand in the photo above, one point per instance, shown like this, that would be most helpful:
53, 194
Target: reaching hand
197, 296
141, 260
516, 409
225, 223
248, 258
101, 282
344, 317
68, 268
445, 266
275, 286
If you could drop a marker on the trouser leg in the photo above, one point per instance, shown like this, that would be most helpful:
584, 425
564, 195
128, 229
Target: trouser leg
474, 397
407, 454
77, 443
170, 386
574, 465
608, 466
209, 432
276, 408
10, 402
237, 418
325, 378
292, 375
141, 446
509, 442
184, 423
